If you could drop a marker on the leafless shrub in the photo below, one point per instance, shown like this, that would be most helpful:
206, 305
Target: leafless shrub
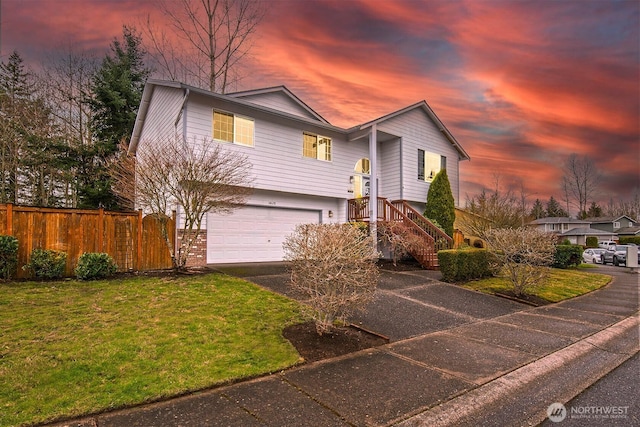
523, 255
333, 266
399, 237
197, 176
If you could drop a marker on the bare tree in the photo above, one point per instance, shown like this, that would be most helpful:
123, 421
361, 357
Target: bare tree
214, 34
523, 255
497, 208
196, 176
333, 266
67, 83
399, 238
580, 181
630, 207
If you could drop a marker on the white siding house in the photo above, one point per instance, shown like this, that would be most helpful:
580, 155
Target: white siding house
304, 169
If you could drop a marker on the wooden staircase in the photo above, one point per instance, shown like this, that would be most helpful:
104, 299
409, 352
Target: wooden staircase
429, 238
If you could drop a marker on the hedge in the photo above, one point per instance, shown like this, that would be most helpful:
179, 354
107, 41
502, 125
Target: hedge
592, 242
567, 256
630, 239
463, 265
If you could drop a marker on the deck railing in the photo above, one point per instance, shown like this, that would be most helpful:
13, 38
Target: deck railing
433, 239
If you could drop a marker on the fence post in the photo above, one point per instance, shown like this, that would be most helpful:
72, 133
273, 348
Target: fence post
139, 241
100, 229
9, 219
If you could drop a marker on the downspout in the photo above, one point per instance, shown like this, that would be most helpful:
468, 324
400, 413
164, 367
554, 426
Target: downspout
183, 114
401, 171
373, 185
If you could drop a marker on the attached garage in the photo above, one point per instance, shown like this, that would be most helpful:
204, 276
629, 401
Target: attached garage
253, 233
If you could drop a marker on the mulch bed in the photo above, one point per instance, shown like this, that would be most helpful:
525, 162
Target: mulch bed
525, 299
313, 347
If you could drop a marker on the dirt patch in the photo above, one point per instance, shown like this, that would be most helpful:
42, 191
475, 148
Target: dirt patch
403, 265
525, 299
344, 340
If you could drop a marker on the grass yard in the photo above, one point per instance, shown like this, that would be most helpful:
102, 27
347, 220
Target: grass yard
69, 348
560, 285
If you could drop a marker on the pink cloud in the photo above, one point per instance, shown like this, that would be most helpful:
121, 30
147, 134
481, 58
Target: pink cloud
520, 86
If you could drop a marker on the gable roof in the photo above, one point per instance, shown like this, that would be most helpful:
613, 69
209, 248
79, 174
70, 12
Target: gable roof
314, 119
422, 105
256, 94
150, 85
587, 231
629, 231
608, 219
558, 220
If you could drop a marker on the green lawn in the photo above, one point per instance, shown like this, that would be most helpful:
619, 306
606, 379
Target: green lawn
560, 285
69, 347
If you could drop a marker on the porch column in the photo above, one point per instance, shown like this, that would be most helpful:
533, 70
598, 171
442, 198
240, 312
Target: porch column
373, 185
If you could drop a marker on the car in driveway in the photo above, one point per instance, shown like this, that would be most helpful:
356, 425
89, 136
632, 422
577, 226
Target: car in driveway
593, 255
616, 255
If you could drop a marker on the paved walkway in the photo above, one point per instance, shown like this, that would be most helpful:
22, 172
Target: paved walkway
455, 357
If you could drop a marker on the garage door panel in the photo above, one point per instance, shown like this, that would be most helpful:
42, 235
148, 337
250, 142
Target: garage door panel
253, 233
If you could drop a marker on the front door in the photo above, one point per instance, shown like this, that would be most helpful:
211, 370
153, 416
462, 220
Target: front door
362, 181
362, 186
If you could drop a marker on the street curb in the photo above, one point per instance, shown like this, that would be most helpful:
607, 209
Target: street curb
479, 406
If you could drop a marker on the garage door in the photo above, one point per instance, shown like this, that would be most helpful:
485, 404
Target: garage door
253, 233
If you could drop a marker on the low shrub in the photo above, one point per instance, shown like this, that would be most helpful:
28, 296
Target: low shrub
567, 256
630, 239
463, 265
95, 265
8, 256
592, 242
47, 263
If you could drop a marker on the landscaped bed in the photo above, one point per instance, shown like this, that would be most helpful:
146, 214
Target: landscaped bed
68, 348
560, 285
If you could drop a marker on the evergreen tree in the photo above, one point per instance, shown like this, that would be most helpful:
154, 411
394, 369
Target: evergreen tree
554, 209
15, 89
117, 90
440, 204
594, 211
537, 211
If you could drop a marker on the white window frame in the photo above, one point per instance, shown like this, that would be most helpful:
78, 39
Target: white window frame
325, 155
431, 162
239, 127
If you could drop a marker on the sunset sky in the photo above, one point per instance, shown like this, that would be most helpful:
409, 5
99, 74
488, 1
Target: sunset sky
521, 84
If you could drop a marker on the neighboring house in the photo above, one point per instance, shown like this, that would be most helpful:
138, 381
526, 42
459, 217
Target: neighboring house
629, 231
558, 225
611, 223
305, 170
578, 236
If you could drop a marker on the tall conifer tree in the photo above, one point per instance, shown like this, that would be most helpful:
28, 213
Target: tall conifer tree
440, 204
117, 90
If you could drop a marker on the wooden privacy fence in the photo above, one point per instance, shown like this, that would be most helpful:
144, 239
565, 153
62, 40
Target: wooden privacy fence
135, 243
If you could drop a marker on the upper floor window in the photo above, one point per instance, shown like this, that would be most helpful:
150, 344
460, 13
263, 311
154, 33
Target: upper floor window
231, 128
316, 147
616, 224
429, 164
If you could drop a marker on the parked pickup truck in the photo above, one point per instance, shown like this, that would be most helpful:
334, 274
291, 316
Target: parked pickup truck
616, 255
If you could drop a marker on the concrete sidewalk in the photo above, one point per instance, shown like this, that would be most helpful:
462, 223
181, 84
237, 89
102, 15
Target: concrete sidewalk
456, 357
